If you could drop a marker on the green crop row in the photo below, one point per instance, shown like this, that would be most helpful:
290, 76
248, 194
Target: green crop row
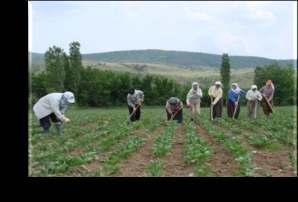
232, 144
163, 143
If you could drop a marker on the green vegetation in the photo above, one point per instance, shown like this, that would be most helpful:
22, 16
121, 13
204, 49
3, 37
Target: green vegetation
196, 151
154, 169
163, 143
101, 138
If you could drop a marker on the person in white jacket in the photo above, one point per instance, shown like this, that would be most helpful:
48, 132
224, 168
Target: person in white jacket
253, 96
193, 99
53, 106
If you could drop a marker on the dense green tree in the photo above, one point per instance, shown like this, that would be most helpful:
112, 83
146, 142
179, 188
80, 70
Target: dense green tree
225, 73
54, 60
283, 80
75, 67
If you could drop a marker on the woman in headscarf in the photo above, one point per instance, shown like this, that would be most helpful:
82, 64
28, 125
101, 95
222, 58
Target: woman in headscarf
253, 96
52, 107
193, 99
268, 93
233, 100
215, 93
174, 109
135, 99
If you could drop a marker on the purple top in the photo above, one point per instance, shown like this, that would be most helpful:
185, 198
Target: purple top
267, 91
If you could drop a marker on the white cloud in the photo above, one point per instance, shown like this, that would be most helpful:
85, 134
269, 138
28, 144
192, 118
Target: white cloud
230, 43
260, 14
197, 14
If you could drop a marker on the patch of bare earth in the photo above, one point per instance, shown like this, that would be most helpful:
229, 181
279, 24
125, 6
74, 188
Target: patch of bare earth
77, 152
136, 164
89, 125
267, 162
222, 161
273, 163
174, 163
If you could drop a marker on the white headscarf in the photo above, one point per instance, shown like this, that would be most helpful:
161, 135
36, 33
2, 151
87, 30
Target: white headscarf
237, 90
195, 83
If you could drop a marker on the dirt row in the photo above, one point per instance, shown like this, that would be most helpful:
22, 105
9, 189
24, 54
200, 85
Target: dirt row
221, 163
266, 162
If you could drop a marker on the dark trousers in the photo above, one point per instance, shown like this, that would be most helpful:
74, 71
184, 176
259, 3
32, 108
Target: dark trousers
217, 109
178, 116
136, 116
266, 108
231, 108
45, 122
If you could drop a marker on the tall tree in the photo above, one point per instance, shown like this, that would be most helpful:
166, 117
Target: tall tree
75, 67
55, 69
67, 83
225, 74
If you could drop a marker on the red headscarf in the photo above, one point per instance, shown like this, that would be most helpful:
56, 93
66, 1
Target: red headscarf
269, 82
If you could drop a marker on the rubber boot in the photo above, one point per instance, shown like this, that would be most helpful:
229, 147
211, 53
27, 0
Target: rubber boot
46, 131
59, 128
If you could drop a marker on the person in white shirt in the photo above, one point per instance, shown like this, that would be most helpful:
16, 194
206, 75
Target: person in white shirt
193, 99
253, 96
53, 106
135, 99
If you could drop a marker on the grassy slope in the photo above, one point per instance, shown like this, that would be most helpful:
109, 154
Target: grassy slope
202, 75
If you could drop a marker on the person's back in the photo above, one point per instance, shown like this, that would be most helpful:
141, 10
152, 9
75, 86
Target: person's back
45, 104
51, 107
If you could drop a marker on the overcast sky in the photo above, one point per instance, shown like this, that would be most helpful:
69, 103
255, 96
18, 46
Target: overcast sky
265, 29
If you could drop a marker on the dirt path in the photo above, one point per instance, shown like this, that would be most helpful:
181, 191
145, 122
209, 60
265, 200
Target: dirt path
173, 163
135, 165
222, 162
266, 162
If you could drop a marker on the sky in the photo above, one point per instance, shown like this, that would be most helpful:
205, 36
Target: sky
264, 29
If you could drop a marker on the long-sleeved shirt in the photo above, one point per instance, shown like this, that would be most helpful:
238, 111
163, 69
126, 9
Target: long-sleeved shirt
233, 96
268, 92
49, 104
173, 108
136, 98
253, 95
194, 95
216, 93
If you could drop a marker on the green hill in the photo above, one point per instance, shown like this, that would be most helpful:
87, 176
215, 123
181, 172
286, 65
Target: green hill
177, 58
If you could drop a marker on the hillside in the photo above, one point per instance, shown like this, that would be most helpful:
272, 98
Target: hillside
176, 58
177, 65
181, 59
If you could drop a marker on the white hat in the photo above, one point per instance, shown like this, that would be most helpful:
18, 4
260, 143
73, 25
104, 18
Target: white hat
195, 83
69, 96
235, 84
217, 83
254, 87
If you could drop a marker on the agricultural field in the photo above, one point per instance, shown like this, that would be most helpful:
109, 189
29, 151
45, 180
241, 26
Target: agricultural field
100, 142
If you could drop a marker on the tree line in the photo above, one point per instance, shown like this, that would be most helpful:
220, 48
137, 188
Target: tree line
98, 88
